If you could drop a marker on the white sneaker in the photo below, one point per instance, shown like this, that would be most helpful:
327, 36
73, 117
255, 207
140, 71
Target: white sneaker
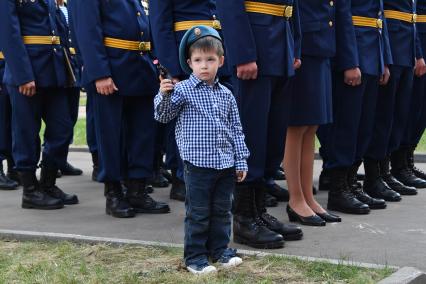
231, 262
199, 270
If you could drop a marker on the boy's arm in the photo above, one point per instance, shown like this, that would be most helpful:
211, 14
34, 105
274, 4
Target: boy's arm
241, 152
167, 106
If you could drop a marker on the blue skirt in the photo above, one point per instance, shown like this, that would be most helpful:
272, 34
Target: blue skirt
311, 96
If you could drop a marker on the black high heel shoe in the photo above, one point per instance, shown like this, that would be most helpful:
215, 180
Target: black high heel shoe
313, 220
329, 217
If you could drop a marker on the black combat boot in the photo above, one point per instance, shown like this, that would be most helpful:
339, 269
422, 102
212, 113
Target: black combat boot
324, 180
48, 185
340, 196
280, 193
34, 197
140, 200
70, 170
247, 227
374, 185
5, 182
178, 190
392, 182
158, 179
402, 172
95, 162
270, 200
289, 232
11, 172
359, 193
410, 160
117, 204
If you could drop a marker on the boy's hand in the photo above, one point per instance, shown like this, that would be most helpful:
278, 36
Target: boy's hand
385, 77
353, 77
247, 71
166, 86
241, 176
297, 63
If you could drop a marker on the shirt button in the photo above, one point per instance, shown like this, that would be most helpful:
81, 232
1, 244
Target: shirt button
141, 33
379, 13
331, 3
54, 49
330, 23
139, 14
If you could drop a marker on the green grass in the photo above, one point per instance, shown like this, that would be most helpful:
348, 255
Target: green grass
83, 99
44, 262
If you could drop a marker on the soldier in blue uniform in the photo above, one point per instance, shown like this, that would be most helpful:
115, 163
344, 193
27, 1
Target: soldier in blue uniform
417, 121
260, 48
35, 77
73, 89
90, 118
363, 57
6, 183
114, 40
392, 110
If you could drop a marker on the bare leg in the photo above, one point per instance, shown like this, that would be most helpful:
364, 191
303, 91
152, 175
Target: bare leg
307, 168
292, 164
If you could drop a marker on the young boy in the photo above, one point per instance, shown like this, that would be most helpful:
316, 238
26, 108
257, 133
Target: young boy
211, 143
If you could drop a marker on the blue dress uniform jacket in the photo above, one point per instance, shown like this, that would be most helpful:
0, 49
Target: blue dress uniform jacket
163, 15
365, 47
400, 31
133, 71
259, 37
318, 28
43, 64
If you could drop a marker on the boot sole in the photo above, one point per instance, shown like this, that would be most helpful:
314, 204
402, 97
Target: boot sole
406, 193
377, 206
123, 215
72, 202
162, 211
270, 245
32, 206
350, 211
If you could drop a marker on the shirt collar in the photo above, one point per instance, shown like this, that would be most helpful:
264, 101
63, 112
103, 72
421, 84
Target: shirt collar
195, 81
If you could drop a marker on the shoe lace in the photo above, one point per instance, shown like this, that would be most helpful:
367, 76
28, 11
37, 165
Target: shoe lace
269, 218
259, 221
415, 169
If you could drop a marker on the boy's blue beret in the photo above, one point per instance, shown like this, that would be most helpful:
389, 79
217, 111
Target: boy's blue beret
191, 36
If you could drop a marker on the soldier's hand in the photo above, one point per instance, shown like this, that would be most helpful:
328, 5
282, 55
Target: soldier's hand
420, 68
166, 86
247, 71
241, 176
28, 89
385, 77
353, 77
297, 63
106, 86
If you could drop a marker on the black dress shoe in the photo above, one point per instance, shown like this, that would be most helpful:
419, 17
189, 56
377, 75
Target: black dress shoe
280, 193
379, 189
313, 220
270, 201
373, 203
69, 170
288, 231
346, 202
329, 217
397, 186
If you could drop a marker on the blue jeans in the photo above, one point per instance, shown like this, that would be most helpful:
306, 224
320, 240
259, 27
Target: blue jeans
208, 212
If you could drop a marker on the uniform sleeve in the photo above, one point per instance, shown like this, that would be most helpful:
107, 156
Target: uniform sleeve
347, 47
163, 35
13, 47
239, 39
387, 49
297, 30
167, 107
241, 151
419, 51
89, 34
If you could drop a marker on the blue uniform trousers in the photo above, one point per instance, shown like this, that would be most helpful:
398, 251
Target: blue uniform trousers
51, 105
263, 104
346, 140
90, 123
173, 160
125, 131
392, 112
5, 125
417, 120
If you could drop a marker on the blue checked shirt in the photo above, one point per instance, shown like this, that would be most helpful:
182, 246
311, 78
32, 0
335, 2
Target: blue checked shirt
208, 128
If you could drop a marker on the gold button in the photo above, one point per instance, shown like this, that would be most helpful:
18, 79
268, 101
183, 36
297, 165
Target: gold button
331, 3
139, 14
414, 18
142, 46
53, 39
216, 25
379, 23
330, 23
288, 12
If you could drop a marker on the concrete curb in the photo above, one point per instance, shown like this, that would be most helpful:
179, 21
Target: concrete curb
419, 157
405, 275
47, 236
